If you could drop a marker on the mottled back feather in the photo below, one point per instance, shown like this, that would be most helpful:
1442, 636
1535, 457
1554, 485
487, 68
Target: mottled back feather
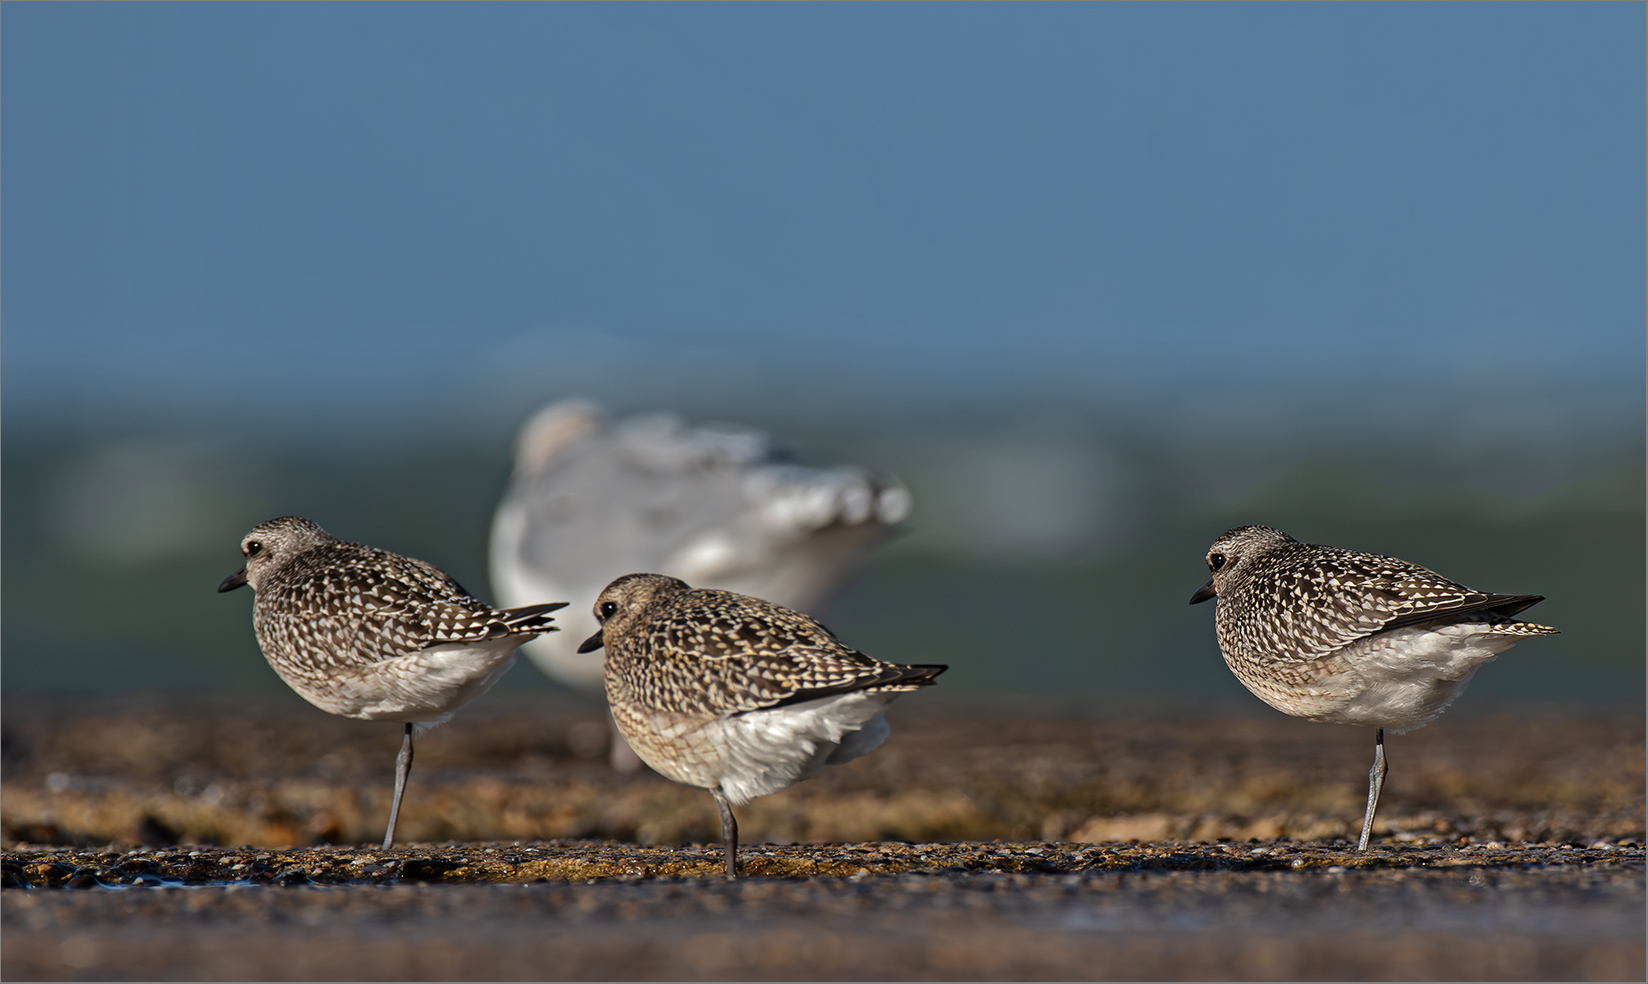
324, 603
1282, 601
716, 653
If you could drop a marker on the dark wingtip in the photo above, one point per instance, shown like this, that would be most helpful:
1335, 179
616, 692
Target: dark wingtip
925, 673
526, 619
233, 581
1495, 608
1508, 605
591, 644
1203, 593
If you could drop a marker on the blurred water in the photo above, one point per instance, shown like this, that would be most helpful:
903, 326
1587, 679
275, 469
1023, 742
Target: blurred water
1046, 554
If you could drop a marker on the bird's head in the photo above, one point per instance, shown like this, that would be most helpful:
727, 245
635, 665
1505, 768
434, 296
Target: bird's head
1234, 552
624, 603
271, 544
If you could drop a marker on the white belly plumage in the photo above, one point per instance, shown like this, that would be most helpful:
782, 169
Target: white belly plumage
760, 752
1397, 680
424, 688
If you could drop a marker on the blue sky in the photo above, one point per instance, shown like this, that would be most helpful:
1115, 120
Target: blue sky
297, 214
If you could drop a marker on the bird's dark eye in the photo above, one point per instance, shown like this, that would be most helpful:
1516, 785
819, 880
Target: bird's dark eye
1215, 560
608, 608
253, 548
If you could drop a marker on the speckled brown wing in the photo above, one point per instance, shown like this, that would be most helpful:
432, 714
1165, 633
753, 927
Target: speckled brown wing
723, 653
350, 605
1307, 602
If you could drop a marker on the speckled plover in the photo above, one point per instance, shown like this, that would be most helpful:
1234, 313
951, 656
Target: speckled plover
717, 506
1344, 637
365, 633
736, 695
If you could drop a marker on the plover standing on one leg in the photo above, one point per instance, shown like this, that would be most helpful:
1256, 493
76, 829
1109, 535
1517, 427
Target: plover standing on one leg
1344, 637
736, 695
365, 633
718, 506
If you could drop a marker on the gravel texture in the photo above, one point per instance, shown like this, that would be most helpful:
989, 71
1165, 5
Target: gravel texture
278, 773
1001, 839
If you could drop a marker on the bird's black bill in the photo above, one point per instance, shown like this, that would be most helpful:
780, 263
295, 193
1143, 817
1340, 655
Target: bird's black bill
233, 581
591, 644
1203, 593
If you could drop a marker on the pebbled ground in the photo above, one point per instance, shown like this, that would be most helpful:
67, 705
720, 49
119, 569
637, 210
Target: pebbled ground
269, 770
1012, 840
581, 862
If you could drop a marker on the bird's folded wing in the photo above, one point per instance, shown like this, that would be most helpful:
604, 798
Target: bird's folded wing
803, 673
1373, 598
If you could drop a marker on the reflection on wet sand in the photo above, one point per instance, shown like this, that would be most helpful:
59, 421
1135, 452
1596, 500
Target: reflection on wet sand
1076, 842
918, 911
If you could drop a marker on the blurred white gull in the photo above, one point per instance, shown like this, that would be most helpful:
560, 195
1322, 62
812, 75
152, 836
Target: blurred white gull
714, 506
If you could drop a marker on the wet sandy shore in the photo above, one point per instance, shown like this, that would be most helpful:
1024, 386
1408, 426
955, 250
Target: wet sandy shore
271, 771
1004, 840
1269, 911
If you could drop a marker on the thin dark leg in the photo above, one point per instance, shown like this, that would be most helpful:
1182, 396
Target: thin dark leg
1376, 782
403, 768
729, 832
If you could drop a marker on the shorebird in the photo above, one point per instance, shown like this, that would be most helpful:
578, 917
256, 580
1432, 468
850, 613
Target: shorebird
720, 507
735, 695
365, 633
1344, 637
